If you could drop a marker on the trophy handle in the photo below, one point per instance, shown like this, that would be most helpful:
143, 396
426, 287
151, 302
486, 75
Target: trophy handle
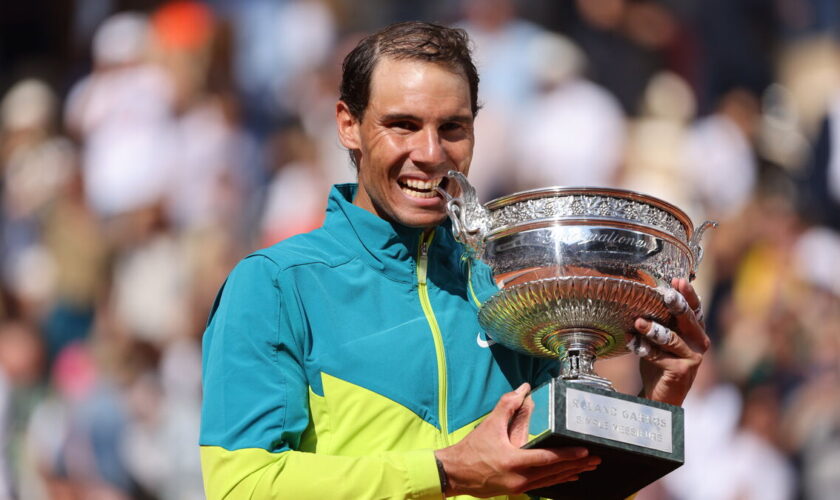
694, 245
470, 220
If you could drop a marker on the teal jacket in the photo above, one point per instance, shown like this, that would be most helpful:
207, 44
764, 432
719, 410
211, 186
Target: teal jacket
336, 361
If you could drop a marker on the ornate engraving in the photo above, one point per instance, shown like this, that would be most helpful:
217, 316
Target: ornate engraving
625, 421
563, 206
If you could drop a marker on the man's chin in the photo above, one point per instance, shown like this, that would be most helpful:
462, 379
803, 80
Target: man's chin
422, 221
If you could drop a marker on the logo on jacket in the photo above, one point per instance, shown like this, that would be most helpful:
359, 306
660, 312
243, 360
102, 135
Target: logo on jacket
484, 342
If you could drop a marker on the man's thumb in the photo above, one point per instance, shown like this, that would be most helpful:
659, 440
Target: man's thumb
509, 403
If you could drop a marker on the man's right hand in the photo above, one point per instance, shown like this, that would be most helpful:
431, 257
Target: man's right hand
489, 461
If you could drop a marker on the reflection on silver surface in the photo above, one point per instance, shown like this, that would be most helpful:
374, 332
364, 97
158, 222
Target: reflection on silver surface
588, 250
547, 317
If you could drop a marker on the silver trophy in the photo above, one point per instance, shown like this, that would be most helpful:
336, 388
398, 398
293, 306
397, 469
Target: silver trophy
575, 267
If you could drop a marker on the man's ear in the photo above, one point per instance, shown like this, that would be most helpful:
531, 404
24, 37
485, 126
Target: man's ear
348, 127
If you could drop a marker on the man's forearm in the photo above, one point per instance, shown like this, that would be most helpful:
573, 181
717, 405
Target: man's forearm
254, 473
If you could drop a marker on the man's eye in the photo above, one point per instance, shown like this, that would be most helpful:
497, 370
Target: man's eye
449, 127
404, 125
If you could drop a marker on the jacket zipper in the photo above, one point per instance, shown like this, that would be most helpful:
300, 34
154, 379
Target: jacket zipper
423, 291
470, 285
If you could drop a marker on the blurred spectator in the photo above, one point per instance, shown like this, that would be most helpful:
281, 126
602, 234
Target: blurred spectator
624, 42
812, 422
316, 112
822, 177
712, 411
736, 38
76, 245
758, 324
720, 164
163, 405
816, 254
780, 139
572, 132
122, 114
656, 141
269, 62
207, 171
74, 436
808, 76
21, 362
36, 163
295, 203
753, 467
149, 282
503, 44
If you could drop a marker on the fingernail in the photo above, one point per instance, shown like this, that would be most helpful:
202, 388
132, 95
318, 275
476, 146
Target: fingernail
581, 452
594, 461
522, 389
574, 478
642, 323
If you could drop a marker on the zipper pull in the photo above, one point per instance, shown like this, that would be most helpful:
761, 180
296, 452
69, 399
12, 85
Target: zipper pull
425, 239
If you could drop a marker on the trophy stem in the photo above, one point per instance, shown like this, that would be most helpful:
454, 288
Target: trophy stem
577, 366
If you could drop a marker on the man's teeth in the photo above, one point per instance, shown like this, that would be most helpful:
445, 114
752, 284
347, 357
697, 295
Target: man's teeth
418, 194
420, 189
424, 185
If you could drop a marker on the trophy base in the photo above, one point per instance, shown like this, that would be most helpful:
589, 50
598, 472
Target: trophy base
638, 440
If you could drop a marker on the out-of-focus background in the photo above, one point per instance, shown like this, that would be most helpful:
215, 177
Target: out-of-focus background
146, 146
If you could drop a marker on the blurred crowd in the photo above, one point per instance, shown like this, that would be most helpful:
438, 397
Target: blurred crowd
186, 134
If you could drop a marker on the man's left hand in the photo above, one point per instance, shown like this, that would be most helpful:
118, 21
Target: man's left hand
670, 359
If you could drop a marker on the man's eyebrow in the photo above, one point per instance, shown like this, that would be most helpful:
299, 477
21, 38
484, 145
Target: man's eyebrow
465, 119
395, 117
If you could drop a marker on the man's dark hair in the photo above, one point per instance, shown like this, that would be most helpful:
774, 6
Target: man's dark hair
412, 40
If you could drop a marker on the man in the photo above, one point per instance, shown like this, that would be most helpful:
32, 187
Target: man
348, 362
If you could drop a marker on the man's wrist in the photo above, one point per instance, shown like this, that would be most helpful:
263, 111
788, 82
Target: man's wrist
444, 480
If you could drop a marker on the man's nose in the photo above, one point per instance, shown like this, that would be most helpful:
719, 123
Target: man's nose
426, 148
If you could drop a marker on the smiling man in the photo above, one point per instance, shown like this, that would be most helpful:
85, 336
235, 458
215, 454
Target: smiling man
348, 362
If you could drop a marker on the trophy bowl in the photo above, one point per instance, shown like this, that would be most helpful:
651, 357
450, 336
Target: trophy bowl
575, 267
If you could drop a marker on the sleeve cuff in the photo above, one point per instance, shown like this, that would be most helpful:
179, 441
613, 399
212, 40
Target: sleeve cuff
423, 476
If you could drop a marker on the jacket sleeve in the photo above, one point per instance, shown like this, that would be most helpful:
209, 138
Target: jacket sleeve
255, 409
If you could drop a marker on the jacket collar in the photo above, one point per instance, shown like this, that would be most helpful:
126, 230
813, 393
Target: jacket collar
387, 247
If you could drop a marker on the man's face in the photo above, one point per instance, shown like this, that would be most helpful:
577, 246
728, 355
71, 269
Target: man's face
418, 125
